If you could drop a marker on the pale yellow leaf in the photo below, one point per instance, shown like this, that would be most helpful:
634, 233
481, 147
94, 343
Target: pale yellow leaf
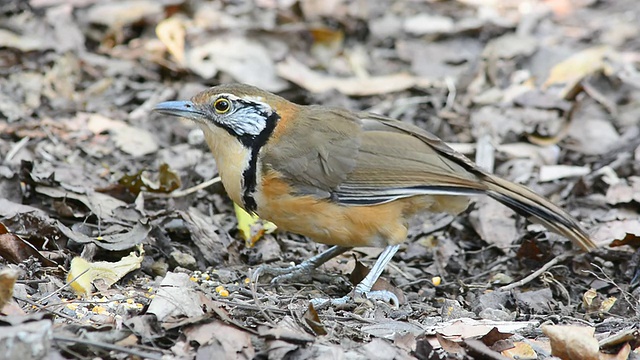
172, 33
251, 227
86, 273
578, 66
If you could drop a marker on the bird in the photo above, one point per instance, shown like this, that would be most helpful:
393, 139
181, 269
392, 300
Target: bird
345, 178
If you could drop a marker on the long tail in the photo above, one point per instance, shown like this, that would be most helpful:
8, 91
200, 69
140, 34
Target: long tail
528, 203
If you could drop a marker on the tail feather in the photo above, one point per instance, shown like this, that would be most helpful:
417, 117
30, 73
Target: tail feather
526, 202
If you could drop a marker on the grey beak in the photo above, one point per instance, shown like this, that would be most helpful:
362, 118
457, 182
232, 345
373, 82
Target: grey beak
185, 109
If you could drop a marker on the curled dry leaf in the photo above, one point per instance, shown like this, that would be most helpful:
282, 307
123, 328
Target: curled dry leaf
112, 242
102, 274
313, 321
632, 240
578, 66
207, 235
8, 277
572, 342
587, 299
171, 32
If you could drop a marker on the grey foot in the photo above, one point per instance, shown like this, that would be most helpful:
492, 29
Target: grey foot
297, 273
301, 272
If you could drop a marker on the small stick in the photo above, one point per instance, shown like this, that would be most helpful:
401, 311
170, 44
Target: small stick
538, 272
254, 292
185, 192
61, 288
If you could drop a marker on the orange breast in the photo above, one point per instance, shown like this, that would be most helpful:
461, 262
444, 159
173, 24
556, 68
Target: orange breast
333, 224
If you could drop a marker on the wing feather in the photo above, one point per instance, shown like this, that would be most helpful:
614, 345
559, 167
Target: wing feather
364, 159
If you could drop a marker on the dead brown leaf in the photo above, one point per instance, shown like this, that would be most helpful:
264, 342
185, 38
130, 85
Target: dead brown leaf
570, 342
495, 223
632, 240
360, 271
221, 341
614, 230
15, 249
122, 239
167, 181
313, 320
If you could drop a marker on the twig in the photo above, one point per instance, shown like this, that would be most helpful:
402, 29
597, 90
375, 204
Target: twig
43, 308
250, 306
451, 96
62, 288
181, 193
14, 150
254, 291
107, 346
608, 279
538, 272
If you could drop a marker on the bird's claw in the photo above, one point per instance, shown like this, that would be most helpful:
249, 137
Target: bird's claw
385, 296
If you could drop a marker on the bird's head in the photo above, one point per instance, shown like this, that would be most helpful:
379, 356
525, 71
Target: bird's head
244, 111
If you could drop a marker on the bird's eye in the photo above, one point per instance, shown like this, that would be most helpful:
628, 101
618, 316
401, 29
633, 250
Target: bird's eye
222, 106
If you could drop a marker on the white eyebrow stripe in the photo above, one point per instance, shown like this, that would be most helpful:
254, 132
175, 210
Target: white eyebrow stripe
247, 116
258, 100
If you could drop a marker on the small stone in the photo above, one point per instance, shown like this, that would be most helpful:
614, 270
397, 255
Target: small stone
496, 315
453, 310
178, 258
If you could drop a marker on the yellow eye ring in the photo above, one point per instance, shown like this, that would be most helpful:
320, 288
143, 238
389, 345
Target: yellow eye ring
222, 106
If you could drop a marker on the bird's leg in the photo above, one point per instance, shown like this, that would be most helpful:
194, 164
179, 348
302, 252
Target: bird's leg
305, 267
363, 289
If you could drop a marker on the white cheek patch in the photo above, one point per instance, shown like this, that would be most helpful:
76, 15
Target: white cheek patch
246, 120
